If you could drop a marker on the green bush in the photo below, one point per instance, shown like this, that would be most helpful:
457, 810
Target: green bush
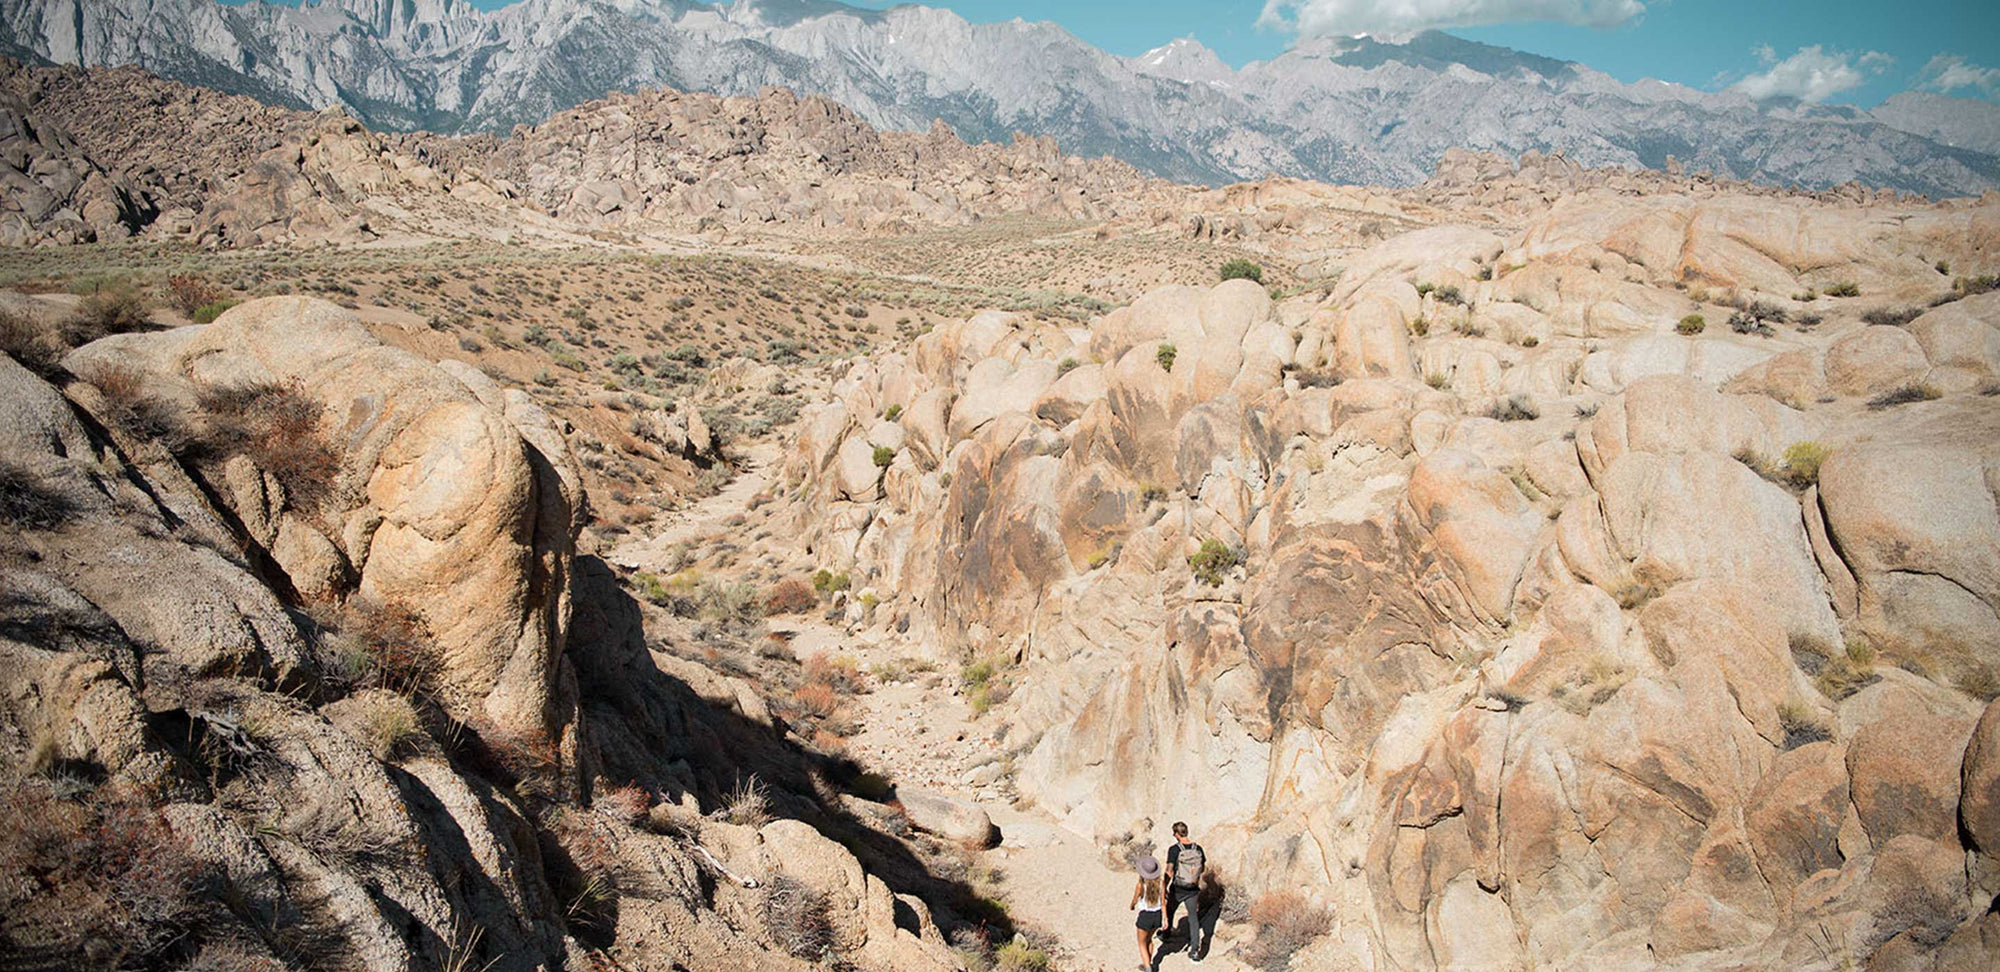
1213, 562
1241, 269
893, 412
1165, 356
106, 312
1067, 365
1691, 324
1916, 392
207, 313
884, 456
1845, 288
828, 582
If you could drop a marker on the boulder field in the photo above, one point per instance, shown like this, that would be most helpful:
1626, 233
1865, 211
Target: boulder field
1489, 598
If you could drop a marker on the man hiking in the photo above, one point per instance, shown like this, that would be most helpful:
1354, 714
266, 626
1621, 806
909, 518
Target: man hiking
1185, 863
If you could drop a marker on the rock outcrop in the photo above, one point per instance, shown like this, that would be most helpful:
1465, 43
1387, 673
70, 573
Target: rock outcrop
1473, 598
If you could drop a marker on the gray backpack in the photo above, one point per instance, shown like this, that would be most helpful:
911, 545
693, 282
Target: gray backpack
1188, 864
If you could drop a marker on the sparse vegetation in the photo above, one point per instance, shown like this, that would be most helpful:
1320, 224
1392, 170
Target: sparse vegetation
1514, 408
92, 879
1285, 922
1799, 725
1242, 269
884, 456
1019, 956
1165, 357
1213, 562
1802, 462
33, 346
27, 503
828, 582
1845, 288
1903, 395
748, 805
893, 412
389, 726
278, 427
1691, 325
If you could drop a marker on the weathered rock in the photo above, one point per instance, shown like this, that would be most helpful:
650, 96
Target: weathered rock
947, 817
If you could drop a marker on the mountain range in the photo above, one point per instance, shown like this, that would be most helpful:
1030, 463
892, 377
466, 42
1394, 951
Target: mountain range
1356, 110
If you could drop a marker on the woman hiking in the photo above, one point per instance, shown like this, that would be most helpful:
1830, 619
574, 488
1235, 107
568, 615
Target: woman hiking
1149, 896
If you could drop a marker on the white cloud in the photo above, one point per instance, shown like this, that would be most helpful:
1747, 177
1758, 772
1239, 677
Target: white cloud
1812, 74
1315, 18
1950, 72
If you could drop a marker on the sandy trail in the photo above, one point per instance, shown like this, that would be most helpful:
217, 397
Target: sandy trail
919, 732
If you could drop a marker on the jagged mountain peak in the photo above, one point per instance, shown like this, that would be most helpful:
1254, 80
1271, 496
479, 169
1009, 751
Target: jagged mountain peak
1349, 109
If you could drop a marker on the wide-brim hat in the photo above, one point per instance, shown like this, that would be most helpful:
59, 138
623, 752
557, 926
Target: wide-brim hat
1149, 867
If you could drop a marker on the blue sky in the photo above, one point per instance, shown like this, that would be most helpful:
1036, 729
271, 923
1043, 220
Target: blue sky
1836, 51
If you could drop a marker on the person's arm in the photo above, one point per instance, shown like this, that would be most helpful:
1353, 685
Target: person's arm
1136, 888
1173, 861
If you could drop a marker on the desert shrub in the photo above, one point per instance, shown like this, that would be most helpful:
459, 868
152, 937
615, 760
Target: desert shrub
106, 312
1531, 341
207, 313
27, 503
1742, 323
893, 412
884, 456
1165, 356
733, 603
278, 427
838, 672
1019, 956
1285, 922
1449, 294
789, 596
1802, 462
1514, 408
855, 310
375, 644
30, 344
1892, 317
1691, 324
1315, 378
1066, 366
1420, 326
389, 726
1241, 269
1634, 595
1437, 379
187, 292
1800, 727
1903, 395
1213, 562
828, 582
795, 916
1845, 288
816, 700
92, 879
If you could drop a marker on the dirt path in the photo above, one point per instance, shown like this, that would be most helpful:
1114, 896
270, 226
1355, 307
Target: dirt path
706, 517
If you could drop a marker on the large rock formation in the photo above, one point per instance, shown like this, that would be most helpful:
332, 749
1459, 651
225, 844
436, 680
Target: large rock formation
1552, 643
297, 659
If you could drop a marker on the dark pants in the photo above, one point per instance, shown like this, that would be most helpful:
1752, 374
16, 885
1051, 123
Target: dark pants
1176, 894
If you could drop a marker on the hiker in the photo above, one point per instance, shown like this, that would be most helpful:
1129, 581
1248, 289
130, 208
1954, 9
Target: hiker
1185, 863
1148, 897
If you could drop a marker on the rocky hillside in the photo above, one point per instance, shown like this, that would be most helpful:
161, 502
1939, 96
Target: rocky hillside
658, 161
1616, 593
1345, 110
